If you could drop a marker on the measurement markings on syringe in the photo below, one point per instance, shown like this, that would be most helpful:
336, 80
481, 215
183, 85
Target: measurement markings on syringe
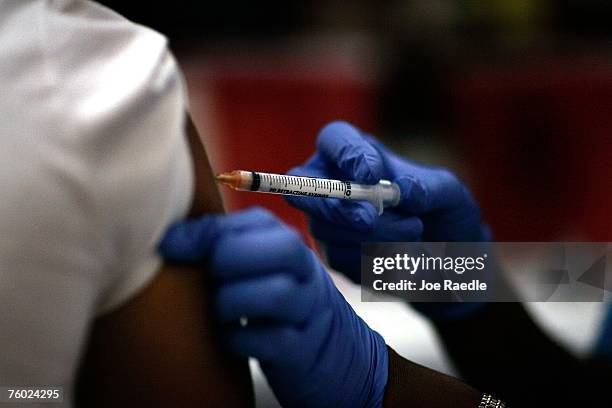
293, 185
300, 183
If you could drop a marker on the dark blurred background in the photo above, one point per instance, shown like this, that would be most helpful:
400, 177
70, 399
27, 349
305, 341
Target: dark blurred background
514, 95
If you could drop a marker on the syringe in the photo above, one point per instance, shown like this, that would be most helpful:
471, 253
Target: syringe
381, 195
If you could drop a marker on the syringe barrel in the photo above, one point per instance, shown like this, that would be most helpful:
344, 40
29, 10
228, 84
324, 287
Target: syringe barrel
293, 185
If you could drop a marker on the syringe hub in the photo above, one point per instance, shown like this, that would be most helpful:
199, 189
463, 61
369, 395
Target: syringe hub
387, 194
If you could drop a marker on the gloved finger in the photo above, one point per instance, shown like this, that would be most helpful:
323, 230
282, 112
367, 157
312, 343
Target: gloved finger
268, 343
191, 240
359, 215
394, 226
260, 252
277, 297
251, 218
426, 191
342, 145
281, 343
320, 165
390, 226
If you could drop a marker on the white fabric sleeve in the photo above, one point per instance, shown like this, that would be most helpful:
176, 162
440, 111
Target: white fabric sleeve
127, 107
94, 165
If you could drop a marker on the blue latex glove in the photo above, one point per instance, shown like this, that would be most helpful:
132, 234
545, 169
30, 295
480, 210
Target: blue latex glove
314, 350
434, 205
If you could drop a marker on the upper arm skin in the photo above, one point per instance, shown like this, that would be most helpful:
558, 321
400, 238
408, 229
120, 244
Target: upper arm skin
206, 198
161, 348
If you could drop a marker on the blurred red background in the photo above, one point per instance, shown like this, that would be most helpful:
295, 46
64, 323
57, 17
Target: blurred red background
534, 138
267, 114
514, 95
538, 139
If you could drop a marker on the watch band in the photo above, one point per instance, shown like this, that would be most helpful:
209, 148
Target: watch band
488, 401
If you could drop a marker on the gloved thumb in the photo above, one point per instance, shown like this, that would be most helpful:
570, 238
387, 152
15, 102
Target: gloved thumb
190, 240
342, 145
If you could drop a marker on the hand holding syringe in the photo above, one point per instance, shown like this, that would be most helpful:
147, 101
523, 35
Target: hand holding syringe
381, 195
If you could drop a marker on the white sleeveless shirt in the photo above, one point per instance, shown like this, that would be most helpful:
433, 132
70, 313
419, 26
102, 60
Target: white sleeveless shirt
94, 165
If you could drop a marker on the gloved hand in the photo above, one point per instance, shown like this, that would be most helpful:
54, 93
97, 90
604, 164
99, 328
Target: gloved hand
434, 205
314, 350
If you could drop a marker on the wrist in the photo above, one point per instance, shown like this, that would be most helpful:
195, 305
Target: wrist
369, 390
365, 377
380, 358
